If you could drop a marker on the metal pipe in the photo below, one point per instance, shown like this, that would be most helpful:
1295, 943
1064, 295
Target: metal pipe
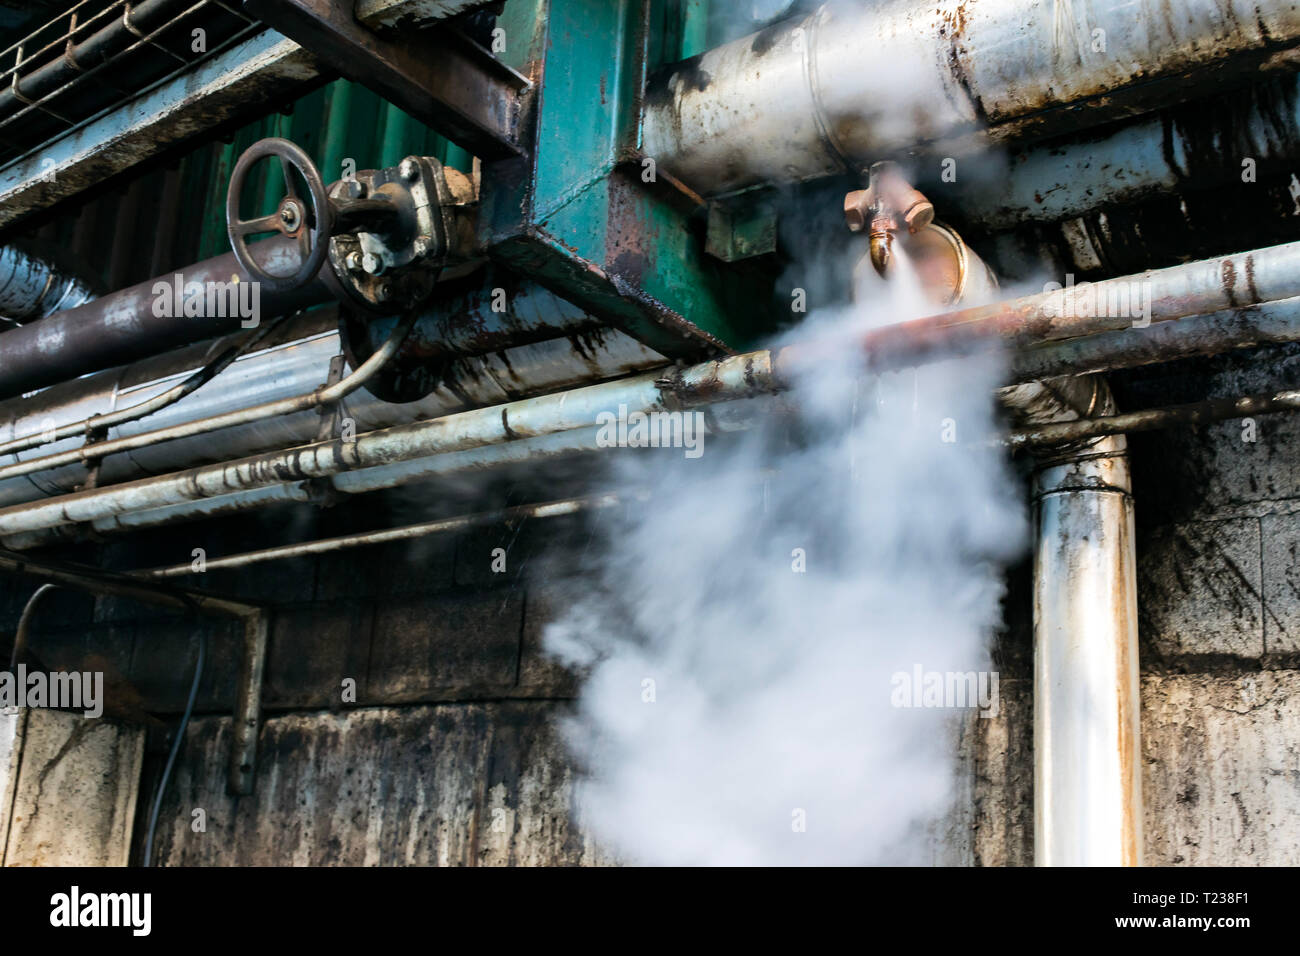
320, 397
1182, 290
549, 509
1196, 288
1152, 419
120, 417
32, 288
1193, 145
297, 361
1270, 323
857, 82
731, 378
1087, 775
119, 33
125, 326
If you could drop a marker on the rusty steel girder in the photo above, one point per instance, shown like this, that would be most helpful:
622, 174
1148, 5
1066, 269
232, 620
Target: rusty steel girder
445, 80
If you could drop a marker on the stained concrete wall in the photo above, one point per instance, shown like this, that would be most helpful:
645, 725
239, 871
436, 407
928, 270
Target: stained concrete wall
68, 788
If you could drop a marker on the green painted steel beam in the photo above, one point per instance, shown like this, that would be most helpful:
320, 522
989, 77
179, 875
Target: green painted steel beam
586, 213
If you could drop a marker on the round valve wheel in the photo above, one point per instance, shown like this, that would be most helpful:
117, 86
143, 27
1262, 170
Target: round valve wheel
306, 220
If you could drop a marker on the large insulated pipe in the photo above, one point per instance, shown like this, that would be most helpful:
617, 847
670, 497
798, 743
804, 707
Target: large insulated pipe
32, 287
856, 82
141, 321
1192, 146
1087, 774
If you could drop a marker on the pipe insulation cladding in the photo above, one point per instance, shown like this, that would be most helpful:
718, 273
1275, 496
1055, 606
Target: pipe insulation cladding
855, 82
31, 287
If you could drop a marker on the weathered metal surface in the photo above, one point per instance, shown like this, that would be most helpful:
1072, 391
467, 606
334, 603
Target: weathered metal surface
126, 326
1195, 413
237, 82
1087, 777
406, 14
446, 80
1198, 145
74, 789
32, 288
278, 376
590, 215
90, 59
537, 417
1268, 323
543, 510
794, 102
1197, 288
453, 785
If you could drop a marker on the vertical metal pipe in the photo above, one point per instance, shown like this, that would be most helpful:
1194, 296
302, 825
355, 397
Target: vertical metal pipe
1087, 785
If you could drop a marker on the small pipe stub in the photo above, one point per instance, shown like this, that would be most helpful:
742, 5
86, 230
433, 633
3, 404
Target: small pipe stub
888, 204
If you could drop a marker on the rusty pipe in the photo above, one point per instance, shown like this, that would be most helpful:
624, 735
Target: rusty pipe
125, 326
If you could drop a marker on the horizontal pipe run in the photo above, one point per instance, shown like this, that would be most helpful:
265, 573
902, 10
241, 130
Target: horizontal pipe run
115, 36
297, 361
550, 509
1153, 419
127, 586
32, 287
856, 82
138, 411
1195, 288
732, 378
1191, 146
124, 326
264, 68
321, 397
1270, 323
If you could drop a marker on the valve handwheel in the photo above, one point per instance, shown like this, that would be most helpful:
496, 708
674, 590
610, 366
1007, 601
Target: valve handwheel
308, 221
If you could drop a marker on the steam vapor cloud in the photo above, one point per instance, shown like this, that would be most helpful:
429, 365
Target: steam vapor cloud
736, 707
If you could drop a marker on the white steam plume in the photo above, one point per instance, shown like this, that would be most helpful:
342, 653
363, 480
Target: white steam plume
771, 696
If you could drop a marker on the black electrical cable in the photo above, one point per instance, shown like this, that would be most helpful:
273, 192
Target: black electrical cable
176, 746
25, 623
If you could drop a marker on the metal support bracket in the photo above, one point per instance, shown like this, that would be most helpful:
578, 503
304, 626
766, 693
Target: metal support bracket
440, 77
256, 623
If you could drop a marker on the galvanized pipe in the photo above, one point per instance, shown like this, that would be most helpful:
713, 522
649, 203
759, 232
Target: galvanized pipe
856, 82
1087, 774
731, 378
121, 416
297, 362
1197, 145
1196, 288
1270, 323
1153, 419
318, 398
